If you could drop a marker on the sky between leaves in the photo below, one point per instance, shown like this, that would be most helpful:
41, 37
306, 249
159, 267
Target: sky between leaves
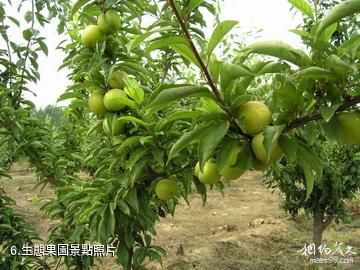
272, 16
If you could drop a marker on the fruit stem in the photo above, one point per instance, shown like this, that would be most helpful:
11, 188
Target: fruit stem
316, 115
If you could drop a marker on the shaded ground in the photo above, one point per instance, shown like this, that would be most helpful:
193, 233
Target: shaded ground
243, 230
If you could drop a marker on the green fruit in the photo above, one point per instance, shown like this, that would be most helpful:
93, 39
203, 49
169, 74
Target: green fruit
228, 171
113, 100
109, 22
259, 166
350, 124
96, 103
259, 149
210, 174
112, 126
91, 34
116, 79
166, 189
255, 115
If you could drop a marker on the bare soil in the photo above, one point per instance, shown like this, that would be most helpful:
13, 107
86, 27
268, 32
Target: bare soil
244, 230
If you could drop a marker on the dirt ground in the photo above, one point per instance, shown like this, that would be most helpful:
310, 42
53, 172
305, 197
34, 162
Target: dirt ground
244, 230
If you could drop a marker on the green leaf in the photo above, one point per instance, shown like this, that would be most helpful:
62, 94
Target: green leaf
207, 117
167, 96
315, 73
131, 141
285, 95
128, 102
185, 140
311, 132
165, 42
333, 129
350, 46
326, 35
132, 119
7, 227
288, 145
107, 224
280, 50
338, 66
219, 33
222, 156
201, 189
312, 168
230, 72
328, 112
43, 46
185, 51
239, 101
245, 157
123, 206
214, 68
192, 5
77, 6
132, 199
78, 104
122, 254
273, 67
309, 176
70, 95
27, 34
213, 135
183, 115
135, 42
271, 135
135, 156
133, 90
15, 21
303, 6
344, 9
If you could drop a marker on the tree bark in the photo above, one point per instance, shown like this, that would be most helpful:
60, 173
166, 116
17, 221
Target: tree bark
317, 231
319, 226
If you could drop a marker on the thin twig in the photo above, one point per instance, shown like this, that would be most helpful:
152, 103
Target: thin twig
26, 54
168, 63
8, 51
316, 4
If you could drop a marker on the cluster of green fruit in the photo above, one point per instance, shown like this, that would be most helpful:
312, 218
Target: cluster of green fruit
110, 103
107, 23
254, 116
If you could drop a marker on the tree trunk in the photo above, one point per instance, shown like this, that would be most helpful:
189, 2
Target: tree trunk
319, 226
318, 229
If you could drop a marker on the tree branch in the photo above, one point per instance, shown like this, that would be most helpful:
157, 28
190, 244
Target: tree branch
49, 177
327, 222
8, 51
26, 56
316, 115
234, 125
167, 67
196, 53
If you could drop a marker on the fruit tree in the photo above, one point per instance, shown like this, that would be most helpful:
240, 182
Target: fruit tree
163, 113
